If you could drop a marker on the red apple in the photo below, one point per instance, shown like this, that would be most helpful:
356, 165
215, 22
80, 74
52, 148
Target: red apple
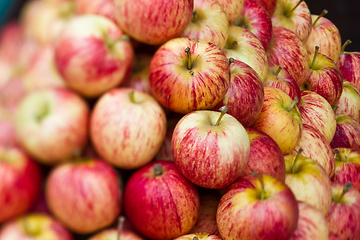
232, 9
333, 236
347, 133
99, 7
349, 102
269, 5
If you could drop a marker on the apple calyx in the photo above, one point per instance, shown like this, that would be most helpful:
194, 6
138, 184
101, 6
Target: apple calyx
344, 45
120, 226
288, 14
278, 71
324, 12
296, 158
347, 187
33, 230
262, 195
223, 110
241, 22
295, 101
111, 43
188, 52
132, 97
314, 58
195, 238
42, 112
195, 16
158, 169
338, 154
231, 60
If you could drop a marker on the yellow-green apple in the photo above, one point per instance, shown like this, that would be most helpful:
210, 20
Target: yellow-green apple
256, 19
85, 195
324, 77
265, 156
347, 133
208, 23
153, 22
100, 7
245, 95
44, 21
288, 51
160, 202
311, 224
199, 236
232, 9
187, 75
94, 59
57, 121
344, 213
245, 210
349, 102
316, 147
281, 79
317, 112
348, 64
34, 227
325, 35
347, 167
127, 127
293, 15
20, 182
244, 46
206, 221
211, 149
280, 119
308, 181
269, 5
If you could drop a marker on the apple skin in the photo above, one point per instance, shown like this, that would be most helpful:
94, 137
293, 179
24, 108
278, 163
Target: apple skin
20, 182
348, 64
200, 236
316, 147
242, 215
317, 112
164, 206
57, 120
348, 167
232, 9
210, 156
93, 60
344, 216
182, 90
11, 38
287, 51
211, 24
112, 234
245, 96
349, 102
7, 133
311, 224
347, 133
85, 196
153, 22
309, 182
99, 7
284, 126
333, 236
127, 132
269, 5
265, 156
34, 226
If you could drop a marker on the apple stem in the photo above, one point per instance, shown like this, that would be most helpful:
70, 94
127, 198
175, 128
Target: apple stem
231, 60
296, 158
158, 169
255, 174
324, 12
195, 238
347, 187
315, 55
296, 100
132, 96
288, 13
223, 110
345, 44
187, 50
195, 16
120, 226
337, 152
278, 71
111, 44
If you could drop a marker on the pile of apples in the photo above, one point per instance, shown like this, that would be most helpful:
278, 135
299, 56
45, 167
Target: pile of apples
178, 119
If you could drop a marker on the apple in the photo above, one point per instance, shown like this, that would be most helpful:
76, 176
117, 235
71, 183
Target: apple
34, 227
187, 75
100, 7
20, 182
85, 195
288, 51
57, 121
269, 5
265, 156
232, 9
325, 35
245, 96
7, 133
311, 224
244, 46
308, 181
347, 133
11, 39
349, 102
208, 23
199, 236
347, 167
153, 22
317, 112
333, 236
344, 213
248, 204
127, 127
165, 204
316, 147
11, 95
210, 149
165, 151
280, 119
257, 20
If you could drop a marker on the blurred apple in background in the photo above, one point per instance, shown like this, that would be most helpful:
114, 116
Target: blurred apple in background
232, 9
7, 133
199, 236
269, 5
347, 133
99, 7
11, 38
349, 102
